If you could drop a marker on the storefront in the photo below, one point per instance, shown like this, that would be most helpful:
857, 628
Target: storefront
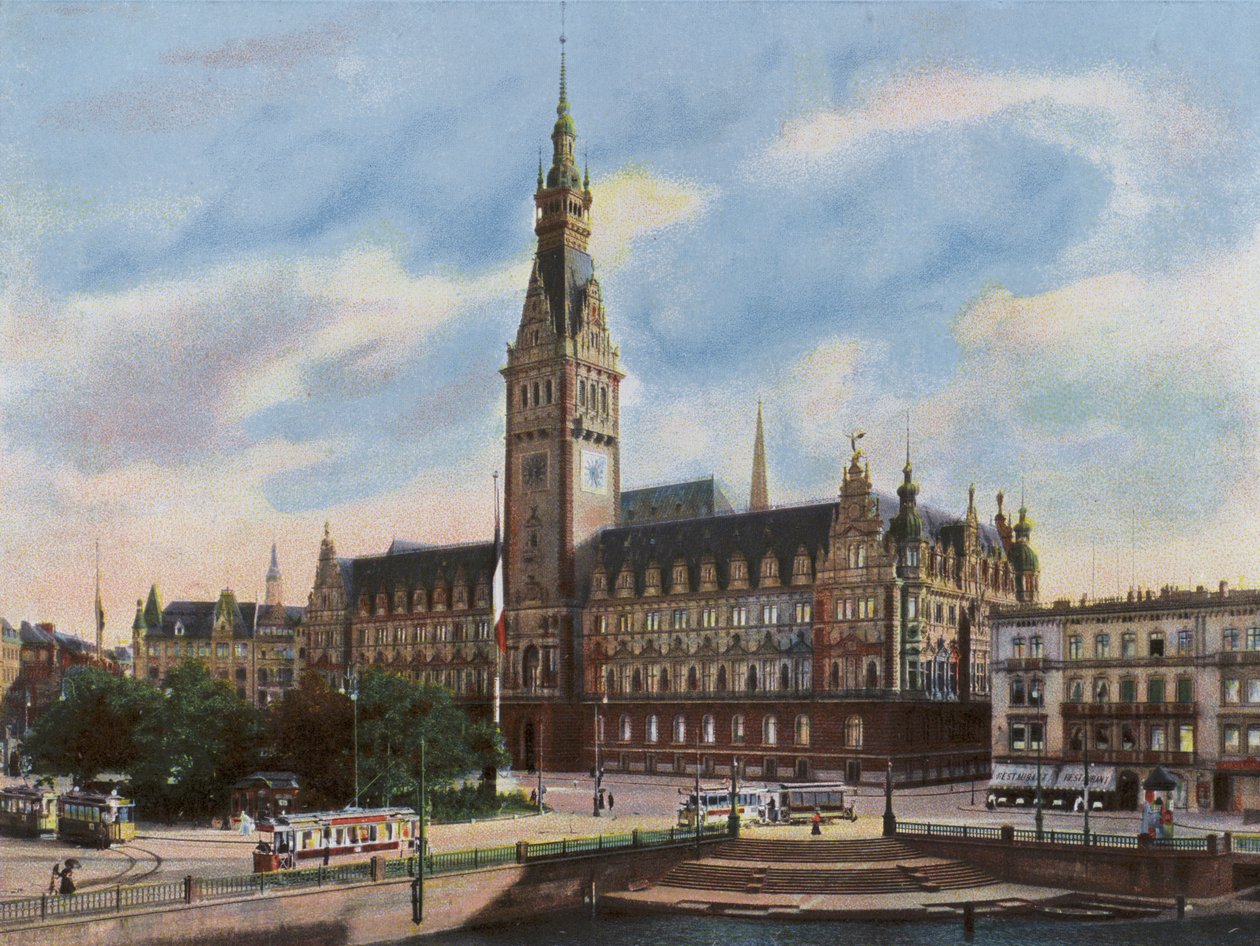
1237, 785
1016, 782
1070, 785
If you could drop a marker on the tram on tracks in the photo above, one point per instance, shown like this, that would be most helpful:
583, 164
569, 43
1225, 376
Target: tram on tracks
95, 818
715, 805
28, 812
288, 840
799, 801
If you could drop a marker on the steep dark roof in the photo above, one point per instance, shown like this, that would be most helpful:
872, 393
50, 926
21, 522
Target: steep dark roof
414, 568
673, 501
31, 634
939, 526
197, 618
780, 531
565, 272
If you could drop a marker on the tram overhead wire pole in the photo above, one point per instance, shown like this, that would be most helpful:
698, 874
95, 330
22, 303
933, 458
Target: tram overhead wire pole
351, 689
599, 775
417, 883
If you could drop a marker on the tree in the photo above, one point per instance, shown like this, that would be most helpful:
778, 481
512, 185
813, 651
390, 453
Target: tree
202, 738
394, 716
311, 732
92, 729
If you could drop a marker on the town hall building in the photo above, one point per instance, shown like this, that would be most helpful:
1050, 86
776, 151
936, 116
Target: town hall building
661, 628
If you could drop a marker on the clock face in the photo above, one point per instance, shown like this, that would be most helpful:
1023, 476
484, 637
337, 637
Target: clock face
534, 470
594, 473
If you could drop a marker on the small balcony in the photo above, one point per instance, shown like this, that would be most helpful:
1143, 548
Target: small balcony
1128, 710
1143, 757
1025, 664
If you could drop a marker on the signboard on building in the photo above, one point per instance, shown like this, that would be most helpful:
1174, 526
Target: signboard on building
1021, 775
1102, 778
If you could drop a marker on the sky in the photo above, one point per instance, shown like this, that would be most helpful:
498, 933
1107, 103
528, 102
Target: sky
259, 263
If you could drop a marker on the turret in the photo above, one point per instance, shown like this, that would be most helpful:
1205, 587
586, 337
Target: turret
275, 582
1024, 560
153, 608
759, 497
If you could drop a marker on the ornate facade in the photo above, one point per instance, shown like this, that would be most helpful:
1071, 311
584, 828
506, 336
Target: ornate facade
252, 647
817, 640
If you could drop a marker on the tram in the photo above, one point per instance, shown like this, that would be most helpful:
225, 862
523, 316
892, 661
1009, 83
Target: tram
798, 801
95, 818
715, 805
28, 812
287, 840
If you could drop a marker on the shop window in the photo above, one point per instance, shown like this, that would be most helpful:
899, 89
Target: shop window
1230, 741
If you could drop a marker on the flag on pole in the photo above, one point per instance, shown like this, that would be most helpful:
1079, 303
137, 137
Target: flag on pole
496, 605
100, 608
496, 587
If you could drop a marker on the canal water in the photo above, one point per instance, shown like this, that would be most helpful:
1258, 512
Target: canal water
568, 929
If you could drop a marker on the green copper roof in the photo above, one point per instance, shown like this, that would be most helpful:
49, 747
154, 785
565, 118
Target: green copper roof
153, 608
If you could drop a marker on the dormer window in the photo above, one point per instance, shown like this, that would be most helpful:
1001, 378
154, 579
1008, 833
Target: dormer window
680, 578
769, 569
179, 628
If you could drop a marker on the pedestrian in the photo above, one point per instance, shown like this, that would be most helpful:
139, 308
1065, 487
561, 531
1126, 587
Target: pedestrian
62, 881
817, 824
610, 800
327, 845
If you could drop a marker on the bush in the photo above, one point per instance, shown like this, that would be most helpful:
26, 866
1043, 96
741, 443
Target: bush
469, 802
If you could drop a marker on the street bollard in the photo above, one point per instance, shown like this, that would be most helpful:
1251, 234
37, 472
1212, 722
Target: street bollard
969, 917
1181, 908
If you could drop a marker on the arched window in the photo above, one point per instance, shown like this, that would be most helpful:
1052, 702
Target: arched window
853, 732
770, 731
693, 678
751, 681
529, 667
737, 728
835, 674
721, 678
653, 728
624, 728
663, 680
610, 681
872, 675
636, 680
802, 730
708, 732
680, 728
785, 677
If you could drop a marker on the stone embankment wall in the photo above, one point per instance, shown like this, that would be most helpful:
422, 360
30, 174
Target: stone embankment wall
368, 913
1141, 873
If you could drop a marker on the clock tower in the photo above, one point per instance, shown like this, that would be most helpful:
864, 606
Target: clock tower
562, 459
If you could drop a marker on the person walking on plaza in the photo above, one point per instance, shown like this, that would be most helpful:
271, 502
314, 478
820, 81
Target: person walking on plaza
610, 800
817, 823
62, 881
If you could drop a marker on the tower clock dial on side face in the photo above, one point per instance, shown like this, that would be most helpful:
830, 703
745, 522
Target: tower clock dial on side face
534, 470
594, 473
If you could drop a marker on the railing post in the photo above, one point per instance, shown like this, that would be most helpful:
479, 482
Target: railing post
476, 857
522, 852
319, 876
118, 899
43, 906
1211, 844
634, 838
378, 868
600, 845
188, 888
1008, 834
1228, 838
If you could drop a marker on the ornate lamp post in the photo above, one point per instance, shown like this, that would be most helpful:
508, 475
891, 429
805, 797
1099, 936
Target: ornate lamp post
599, 775
1039, 817
890, 819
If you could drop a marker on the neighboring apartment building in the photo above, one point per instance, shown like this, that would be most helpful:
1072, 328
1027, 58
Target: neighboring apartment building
252, 648
1169, 678
818, 640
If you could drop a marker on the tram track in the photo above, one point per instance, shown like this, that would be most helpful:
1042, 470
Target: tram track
134, 855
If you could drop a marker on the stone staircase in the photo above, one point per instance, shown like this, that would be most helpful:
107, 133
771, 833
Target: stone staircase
814, 852
729, 869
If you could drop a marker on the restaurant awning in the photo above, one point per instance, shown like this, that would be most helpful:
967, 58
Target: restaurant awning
1102, 778
1022, 775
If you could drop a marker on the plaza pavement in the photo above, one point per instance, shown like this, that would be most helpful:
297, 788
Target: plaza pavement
166, 852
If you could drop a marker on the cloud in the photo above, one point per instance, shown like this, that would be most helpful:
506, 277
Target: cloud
1128, 401
280, 50
1138, 130
635, 202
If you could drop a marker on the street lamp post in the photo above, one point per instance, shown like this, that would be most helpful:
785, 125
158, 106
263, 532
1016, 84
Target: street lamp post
351, 689
1039, 818
598, 773
890, 819
698, 816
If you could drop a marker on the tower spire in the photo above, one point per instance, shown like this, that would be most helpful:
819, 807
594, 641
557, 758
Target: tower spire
759, 498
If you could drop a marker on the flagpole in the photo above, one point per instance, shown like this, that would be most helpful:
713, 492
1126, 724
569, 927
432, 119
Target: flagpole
100, 610
497, 606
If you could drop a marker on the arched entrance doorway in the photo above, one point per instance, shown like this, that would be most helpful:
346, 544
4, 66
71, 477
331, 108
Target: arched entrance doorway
529, 747
1127, 791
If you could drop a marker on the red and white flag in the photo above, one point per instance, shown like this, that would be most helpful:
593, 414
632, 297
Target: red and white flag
496, 586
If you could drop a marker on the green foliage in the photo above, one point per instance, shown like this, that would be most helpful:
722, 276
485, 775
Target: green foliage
201, 739
395, 715
93, 729
311, 732
470, 801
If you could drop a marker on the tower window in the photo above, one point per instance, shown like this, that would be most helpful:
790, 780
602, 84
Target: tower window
536, 398
548, 390
603, 399
524, 402
581, 394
